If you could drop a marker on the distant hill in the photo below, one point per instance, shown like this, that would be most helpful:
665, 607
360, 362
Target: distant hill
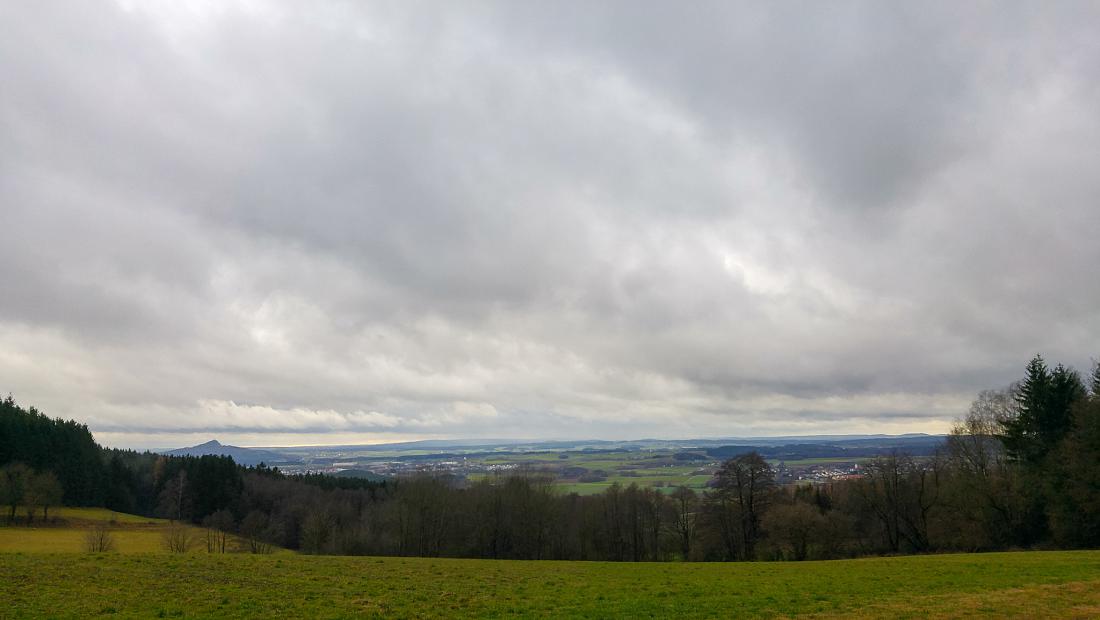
789, 447
243, 456
858, 447
464, 445
423, 444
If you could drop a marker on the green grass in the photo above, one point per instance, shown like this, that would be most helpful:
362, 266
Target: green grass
67, 527
52, 540
650, 469
583, 488
670, 481
70, 516
1038, 584
100, 514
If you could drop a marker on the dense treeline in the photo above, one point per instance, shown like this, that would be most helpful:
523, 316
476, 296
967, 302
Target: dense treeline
62, 447
1021, 469
47, 462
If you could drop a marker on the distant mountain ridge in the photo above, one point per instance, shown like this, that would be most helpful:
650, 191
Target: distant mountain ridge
243, 456
903, 440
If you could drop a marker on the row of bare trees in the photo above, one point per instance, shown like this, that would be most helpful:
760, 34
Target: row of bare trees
744, 516
22, 488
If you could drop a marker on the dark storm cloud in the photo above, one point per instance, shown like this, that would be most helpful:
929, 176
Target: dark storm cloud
344, 220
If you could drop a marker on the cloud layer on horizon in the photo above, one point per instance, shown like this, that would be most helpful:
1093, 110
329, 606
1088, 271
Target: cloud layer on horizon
306, 223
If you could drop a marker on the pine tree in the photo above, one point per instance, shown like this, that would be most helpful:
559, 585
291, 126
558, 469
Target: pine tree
1095, 381
1021, 433
1075, 504
1066, 389
1045, 402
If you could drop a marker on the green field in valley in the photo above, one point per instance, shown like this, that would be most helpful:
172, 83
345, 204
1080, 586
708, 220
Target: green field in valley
644, 468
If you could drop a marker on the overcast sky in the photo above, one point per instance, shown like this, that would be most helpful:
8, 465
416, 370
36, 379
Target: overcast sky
320, 222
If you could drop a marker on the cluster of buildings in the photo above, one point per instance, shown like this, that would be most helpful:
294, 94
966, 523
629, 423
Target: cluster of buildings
817, 473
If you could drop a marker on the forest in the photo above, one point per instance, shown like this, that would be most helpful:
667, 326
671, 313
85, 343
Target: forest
1020, 470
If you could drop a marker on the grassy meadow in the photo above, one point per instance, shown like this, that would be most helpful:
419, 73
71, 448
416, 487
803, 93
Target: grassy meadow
66, 585
66, 529
43, 575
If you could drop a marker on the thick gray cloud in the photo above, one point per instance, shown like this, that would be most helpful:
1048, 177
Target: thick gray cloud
343, 221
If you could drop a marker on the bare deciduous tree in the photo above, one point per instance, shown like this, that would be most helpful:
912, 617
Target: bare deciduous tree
218, 525
99, 539
175, 499
256, 533
685, 508
48, 492
177, 537
14, 480
744, 487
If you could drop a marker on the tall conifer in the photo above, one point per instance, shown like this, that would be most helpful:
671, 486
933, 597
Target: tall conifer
1021, 433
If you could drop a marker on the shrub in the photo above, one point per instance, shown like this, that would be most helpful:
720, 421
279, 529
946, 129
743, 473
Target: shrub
99, 540
177, 538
